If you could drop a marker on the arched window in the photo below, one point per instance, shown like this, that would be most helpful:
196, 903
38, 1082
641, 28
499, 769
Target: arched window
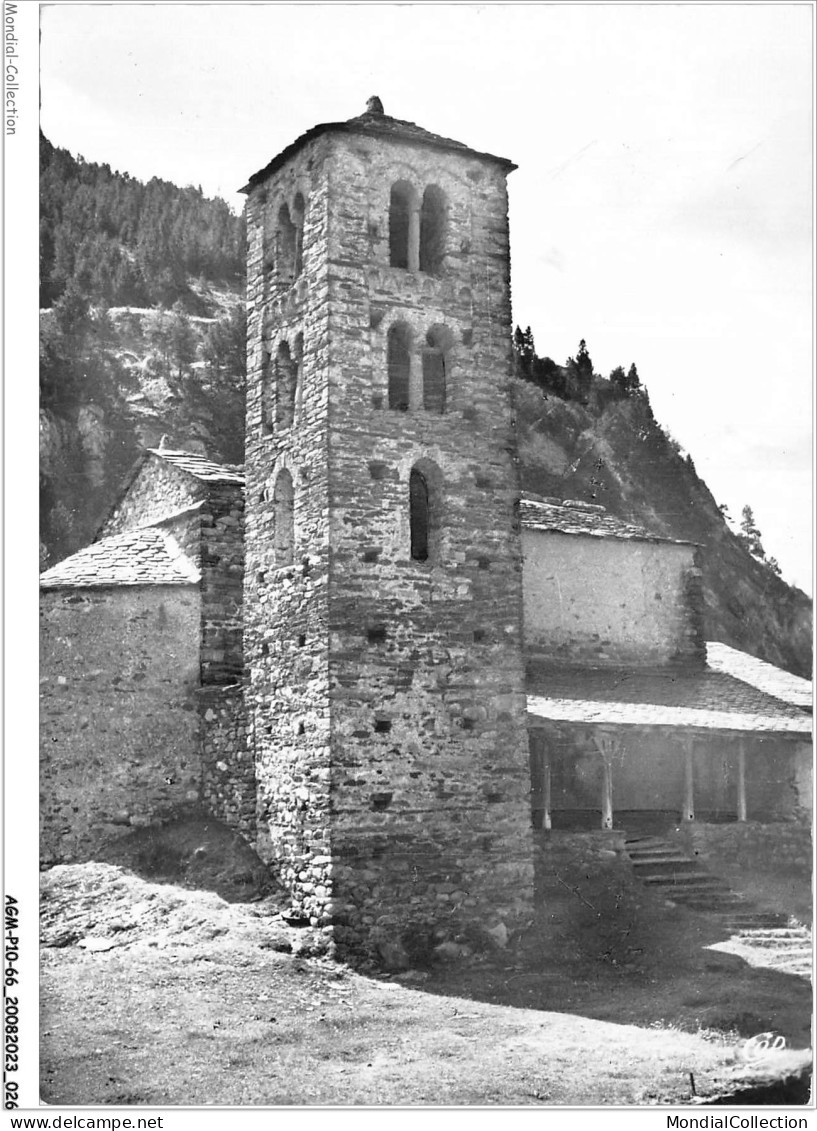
419, 515
425, 504
298, 209
435, 359
285, 249
267, 393
403, 227
286, 378
283, 505
398, 349
432, 230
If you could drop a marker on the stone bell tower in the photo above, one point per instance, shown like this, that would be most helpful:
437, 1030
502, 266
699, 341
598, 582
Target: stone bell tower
383, 572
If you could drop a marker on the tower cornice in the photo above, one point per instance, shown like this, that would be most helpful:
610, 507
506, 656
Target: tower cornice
374, 123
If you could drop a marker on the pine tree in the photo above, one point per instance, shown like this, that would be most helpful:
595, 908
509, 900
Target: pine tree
525, 351
619, 378
750, 536
584, 363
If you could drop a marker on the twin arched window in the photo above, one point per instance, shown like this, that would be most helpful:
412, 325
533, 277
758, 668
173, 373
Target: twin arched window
428, 390
417, 228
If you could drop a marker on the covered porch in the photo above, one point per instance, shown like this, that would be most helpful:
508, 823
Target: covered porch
605, 777
627, 748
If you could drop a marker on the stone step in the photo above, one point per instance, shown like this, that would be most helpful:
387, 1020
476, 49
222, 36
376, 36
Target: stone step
752, 922
724, 895
793, 933
770, 940
659, 863
673, 879
666, 869
655, 855
716, 907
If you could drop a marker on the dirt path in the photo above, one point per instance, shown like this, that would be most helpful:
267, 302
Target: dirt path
153, 994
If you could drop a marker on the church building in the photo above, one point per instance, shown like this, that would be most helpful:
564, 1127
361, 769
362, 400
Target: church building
432, 665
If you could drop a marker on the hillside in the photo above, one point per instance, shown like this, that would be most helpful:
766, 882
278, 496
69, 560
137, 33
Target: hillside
608, 449
143, 335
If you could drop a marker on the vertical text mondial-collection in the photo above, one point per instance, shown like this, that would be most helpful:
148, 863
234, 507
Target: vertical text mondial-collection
12, 72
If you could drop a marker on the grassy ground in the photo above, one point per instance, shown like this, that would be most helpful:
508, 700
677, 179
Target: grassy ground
158, 995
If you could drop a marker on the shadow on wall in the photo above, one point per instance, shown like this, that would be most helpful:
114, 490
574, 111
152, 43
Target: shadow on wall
199, 853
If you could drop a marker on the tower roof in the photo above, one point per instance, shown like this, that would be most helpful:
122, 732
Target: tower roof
373, 122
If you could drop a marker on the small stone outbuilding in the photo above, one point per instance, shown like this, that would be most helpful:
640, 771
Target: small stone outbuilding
141, 662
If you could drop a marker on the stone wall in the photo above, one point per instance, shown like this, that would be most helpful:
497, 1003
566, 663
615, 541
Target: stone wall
207, 520
603, 600
119, 730
222, 584
228, 786
286, 621
157, 490
185, 527
388, 692
752, 847
430, 783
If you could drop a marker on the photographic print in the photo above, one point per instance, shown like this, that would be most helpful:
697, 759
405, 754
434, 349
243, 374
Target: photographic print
425, 535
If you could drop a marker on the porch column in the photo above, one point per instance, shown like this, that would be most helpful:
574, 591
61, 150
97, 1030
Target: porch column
688, 805
546, 818
741, 801
606, 795
606, 746
540, 780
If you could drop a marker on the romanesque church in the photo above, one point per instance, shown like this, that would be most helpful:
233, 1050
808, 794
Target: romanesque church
367, 651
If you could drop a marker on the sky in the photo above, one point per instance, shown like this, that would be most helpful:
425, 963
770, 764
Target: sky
662, 208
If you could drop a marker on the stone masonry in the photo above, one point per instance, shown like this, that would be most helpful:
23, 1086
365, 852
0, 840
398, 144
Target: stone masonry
386, 688
333, 661
202, 505
142, 716
119, 725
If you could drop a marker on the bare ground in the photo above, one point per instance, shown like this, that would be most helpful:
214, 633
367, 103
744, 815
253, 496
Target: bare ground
155, 994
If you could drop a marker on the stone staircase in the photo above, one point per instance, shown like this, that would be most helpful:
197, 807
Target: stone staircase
763, 938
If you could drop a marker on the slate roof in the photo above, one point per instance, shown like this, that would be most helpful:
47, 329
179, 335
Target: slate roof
706, 699
199, 466
145, 556
766, 677
575, 517
374, 124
